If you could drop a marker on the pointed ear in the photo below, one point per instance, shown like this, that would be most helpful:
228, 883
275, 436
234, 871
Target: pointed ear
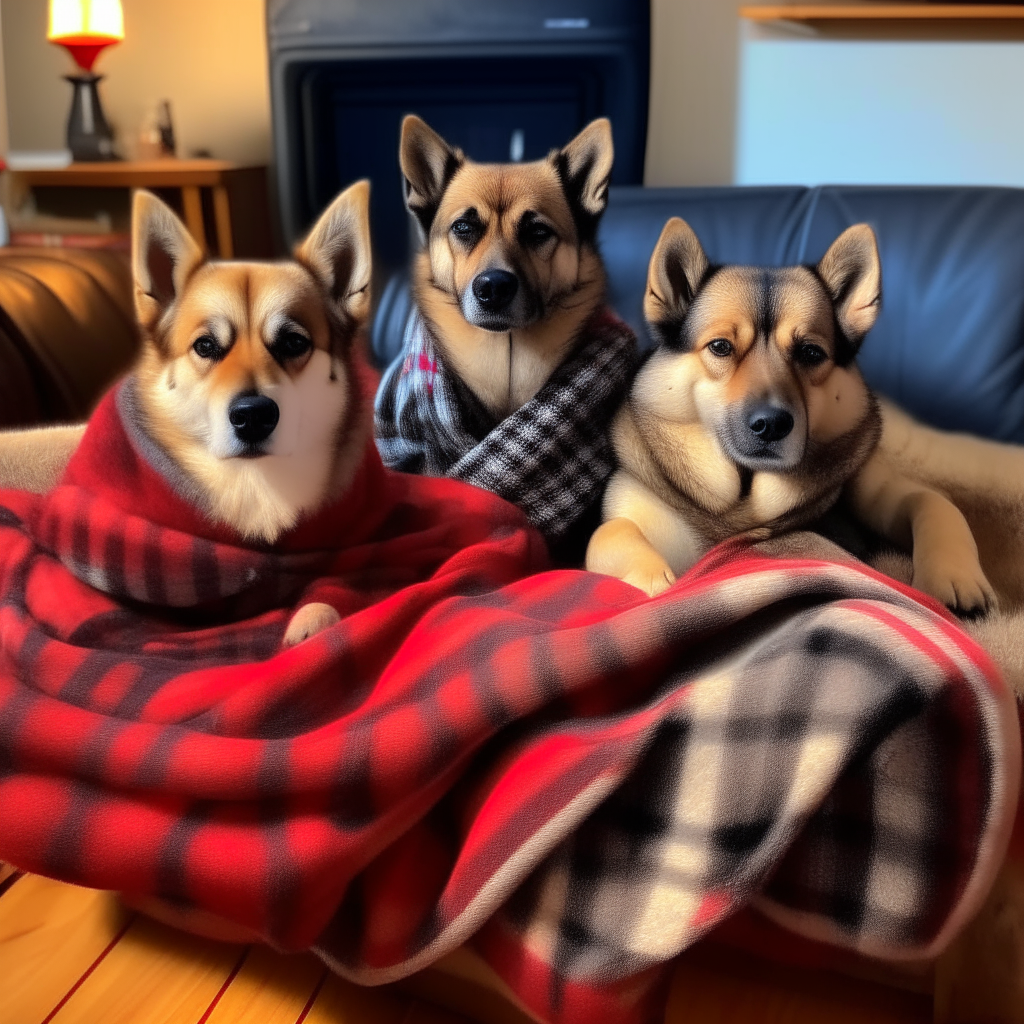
337, 251
678, 265
428, 164
852, 273
585, 166
164, 256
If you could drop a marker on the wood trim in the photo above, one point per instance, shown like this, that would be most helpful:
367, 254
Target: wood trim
883, 12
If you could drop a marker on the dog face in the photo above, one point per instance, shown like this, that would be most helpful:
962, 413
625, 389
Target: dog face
761, 358
246, 377
506, 241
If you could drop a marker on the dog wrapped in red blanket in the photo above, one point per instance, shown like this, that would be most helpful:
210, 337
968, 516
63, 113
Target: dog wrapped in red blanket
579, 780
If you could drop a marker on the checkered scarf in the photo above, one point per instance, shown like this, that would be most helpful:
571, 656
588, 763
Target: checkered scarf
579, 780
551, 457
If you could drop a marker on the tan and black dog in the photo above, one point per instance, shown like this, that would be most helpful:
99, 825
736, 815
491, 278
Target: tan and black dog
246, 380
511, 366
752, 417
509, 254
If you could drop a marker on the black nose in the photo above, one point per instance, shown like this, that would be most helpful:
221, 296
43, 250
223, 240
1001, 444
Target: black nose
495, 289
253, 417
770, 423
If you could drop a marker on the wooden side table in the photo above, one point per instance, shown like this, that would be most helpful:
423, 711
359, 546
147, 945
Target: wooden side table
234, 189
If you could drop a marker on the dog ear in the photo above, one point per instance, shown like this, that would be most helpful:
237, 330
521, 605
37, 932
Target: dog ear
852, 273
337, 251
428, 164
584, 166
678, 265
164, 256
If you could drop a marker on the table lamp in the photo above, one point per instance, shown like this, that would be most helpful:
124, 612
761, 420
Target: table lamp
84, 28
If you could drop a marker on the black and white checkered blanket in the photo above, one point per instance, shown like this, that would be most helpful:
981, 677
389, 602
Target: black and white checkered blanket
551, 457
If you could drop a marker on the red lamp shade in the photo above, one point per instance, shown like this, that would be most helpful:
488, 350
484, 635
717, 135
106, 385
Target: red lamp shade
85, 27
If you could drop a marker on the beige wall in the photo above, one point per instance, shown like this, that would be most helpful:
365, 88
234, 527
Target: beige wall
209, 58
694, 73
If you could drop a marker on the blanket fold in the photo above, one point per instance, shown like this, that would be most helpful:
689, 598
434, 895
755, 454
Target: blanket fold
551, 457
577, 779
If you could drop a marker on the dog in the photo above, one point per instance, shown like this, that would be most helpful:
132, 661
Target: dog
751, 417
512, 365
509, 252
245, 380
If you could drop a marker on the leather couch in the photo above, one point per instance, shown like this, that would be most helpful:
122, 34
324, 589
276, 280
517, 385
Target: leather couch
949, 344
67, 330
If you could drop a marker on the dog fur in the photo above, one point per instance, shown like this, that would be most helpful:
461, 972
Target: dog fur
985, 480
533, 221
747, 353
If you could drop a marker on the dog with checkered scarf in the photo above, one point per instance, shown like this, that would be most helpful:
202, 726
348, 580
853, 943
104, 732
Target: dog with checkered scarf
512, 365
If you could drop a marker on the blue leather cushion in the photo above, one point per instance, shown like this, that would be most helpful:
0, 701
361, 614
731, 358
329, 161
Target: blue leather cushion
949, 344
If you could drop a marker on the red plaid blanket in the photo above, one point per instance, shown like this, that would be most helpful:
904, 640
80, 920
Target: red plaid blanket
580, 780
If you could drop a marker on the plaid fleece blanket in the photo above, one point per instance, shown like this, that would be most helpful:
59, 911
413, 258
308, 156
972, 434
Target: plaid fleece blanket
577, 779
551, 457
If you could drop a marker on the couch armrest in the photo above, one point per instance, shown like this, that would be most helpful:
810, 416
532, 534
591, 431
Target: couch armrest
67, 331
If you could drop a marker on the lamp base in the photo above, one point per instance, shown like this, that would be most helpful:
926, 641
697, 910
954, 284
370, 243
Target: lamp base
89, 135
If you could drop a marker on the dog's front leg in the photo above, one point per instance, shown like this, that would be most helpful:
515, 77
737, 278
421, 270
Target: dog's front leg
618, 548
945, 554
643, 541
309, 620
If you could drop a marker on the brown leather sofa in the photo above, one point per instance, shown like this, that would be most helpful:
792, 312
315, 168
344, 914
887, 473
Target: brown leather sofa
67, 331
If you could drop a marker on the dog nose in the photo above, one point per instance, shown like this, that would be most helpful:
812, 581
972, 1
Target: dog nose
770, 423
495, 289
253, 417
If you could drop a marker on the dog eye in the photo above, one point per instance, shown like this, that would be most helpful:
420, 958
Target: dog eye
809, 355
536, 233
206, 347
720, 347
465, 230
290, 345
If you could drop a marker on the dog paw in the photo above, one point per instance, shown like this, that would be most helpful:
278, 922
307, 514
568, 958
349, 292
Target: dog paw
309, 620
960, 586
652, 581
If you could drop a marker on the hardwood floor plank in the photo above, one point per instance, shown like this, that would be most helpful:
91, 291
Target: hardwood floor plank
271, 988
154, 975
74, 956
50, 934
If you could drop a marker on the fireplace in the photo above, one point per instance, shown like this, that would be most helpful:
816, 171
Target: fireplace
502, 79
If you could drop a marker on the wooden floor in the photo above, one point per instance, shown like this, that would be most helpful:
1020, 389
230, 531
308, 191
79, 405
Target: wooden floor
74, 956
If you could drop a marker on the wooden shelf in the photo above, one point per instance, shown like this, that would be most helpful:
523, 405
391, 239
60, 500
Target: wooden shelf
883, 12
239, 195
134, 173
